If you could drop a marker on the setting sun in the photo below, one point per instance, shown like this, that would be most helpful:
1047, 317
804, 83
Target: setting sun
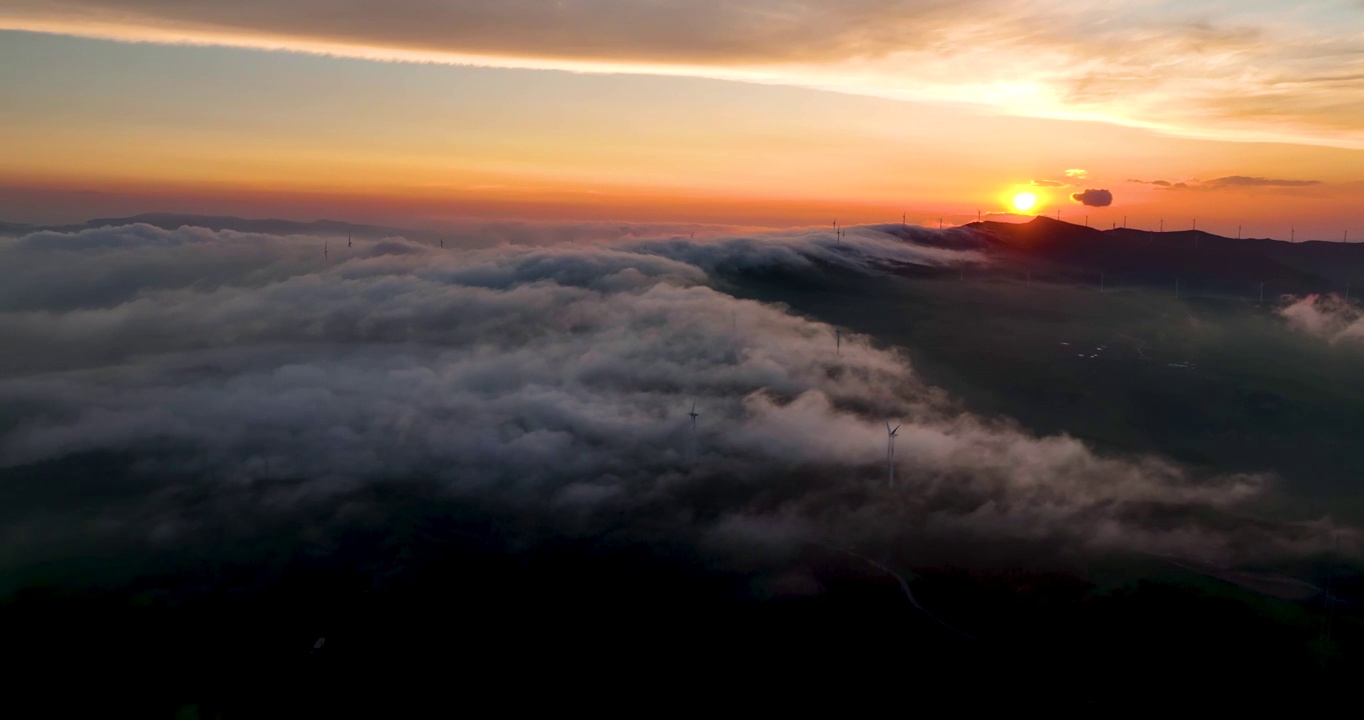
1024, 202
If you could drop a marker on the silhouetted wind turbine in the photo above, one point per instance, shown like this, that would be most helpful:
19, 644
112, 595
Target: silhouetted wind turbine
838, 341
347, 237
693, 414
890, 453
324, 252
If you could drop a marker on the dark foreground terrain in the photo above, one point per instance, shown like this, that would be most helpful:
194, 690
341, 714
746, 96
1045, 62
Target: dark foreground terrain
440, 612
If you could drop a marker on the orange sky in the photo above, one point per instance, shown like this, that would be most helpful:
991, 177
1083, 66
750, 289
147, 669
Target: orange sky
98, 127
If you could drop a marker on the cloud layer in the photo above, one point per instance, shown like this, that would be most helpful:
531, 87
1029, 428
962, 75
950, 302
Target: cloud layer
1203, 69
553, 380
1230, 182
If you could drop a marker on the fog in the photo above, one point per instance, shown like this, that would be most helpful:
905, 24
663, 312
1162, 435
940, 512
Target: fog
548, 385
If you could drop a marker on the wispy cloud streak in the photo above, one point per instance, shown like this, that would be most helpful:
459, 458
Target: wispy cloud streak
1204, 69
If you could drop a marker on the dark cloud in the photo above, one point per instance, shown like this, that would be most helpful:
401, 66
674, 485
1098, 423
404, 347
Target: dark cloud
697, 31
552, 380
1093, 198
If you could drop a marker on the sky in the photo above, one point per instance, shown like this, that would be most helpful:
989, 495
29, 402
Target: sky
1244, 116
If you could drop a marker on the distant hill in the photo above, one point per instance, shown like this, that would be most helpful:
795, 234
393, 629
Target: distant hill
1201, 259
172, 221
9, 229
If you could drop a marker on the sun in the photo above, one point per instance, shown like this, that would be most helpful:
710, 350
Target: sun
1024, 202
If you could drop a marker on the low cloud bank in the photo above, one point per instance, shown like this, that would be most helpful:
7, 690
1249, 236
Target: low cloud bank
1329, 317
554, 380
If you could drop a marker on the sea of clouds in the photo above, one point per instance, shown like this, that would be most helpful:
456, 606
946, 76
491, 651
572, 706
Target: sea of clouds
553, 381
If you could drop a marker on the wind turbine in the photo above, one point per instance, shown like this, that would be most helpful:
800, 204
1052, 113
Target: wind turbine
347, 237
324, 251
890, 453
693, 414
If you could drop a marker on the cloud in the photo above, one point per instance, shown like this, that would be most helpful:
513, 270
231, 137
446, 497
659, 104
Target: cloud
551, 383
1093, 198
1048, 183
1328, 317
1230, 182
1204, 70
1077, 173
1243, 181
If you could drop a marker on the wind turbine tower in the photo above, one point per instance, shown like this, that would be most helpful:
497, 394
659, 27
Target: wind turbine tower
693, 415
890, 453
